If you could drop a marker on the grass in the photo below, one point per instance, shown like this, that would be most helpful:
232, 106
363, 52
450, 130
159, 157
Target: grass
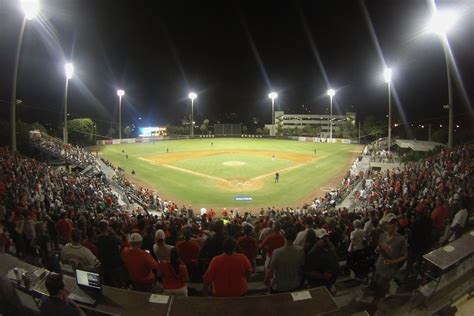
193, 171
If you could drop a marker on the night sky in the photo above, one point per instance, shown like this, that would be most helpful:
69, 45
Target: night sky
232, 54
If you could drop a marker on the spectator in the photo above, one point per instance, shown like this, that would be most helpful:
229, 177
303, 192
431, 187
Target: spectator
392, 252
357, 237
140, 265
213, 245
439, 217
248, 245
78, 256
64, 228
419, 237
58, 303
109, 251
89, 243
321, 265
160, 248
284, 272
301, 237
189, 253
174, 275
273, 241
228, 273
459, 221
310, 240
10, 303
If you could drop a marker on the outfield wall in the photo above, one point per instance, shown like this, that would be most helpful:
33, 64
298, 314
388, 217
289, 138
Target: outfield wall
161, 138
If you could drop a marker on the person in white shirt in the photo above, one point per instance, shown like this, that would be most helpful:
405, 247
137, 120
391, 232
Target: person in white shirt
459, 221
77, 255
357, 237
301, 237
160, 248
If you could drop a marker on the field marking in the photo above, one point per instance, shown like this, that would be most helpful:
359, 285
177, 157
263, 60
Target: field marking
286, 169
185, 170
228, 181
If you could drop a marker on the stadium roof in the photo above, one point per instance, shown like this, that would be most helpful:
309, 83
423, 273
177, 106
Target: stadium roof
417, 145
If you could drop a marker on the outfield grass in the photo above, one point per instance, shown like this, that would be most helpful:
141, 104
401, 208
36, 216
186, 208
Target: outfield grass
196, 173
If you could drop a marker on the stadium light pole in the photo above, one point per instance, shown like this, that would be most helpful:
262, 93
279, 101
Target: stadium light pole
331, 94
69, 69
192, 96
30, 10
120, 94
387, 75
273, 96
440, 23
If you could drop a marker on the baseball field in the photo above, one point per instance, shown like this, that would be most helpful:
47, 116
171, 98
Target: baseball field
235, 172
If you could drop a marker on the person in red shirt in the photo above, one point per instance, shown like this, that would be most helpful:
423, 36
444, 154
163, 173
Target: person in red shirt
189, 253
439, 217
140, 265
248, 245
228, 273
89, 242
64, 229
273, 241
174, 275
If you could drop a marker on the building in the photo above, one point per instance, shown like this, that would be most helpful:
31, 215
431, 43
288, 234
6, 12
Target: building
291, 121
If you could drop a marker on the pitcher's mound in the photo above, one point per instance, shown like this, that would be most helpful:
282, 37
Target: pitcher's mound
233, 163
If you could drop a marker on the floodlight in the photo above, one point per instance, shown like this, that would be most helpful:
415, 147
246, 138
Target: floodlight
30, 8
192, 95
120, 93
387, 75
442, 21
331, 92
69, 70
273, 95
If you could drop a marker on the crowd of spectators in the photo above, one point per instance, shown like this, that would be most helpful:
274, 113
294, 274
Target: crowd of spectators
73, 155
50, 213
378, 152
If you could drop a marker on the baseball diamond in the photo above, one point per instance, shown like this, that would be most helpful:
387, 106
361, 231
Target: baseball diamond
196, 173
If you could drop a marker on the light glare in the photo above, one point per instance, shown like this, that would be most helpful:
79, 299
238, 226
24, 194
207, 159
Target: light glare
331, 92
30, 8
120, 92
387, 75
273, 95
69, 70
442, 21
192, 95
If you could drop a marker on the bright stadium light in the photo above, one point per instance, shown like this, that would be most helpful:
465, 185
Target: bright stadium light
120, 94
331, 93
273, 96
192, 96
30, 8
69, 69
442, 21
387, 75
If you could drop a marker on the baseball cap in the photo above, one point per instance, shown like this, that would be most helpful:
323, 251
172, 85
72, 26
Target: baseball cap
136, 237
387, 218
321, 233
160, 234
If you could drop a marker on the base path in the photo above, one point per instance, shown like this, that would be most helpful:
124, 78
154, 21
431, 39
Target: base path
230, 182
